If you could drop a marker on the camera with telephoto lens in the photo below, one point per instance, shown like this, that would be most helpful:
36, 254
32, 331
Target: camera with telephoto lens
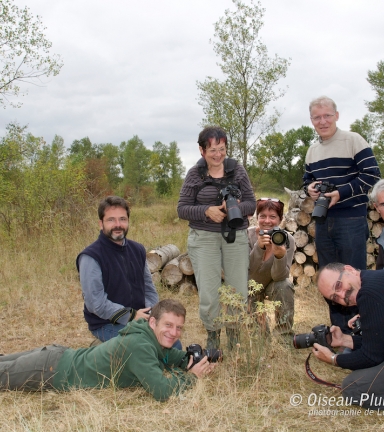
320, 334
198, 353
231, 194
321, 206
278, 236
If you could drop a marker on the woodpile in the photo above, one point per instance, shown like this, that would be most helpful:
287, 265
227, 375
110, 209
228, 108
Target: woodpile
157, 258
173, 269
298, 221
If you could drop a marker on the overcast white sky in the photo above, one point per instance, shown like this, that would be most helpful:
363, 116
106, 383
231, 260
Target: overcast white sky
130, 67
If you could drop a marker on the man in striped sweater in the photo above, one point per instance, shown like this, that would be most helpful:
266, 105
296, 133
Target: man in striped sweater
346, 160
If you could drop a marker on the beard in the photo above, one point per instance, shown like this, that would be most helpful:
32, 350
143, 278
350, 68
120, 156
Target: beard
116, 237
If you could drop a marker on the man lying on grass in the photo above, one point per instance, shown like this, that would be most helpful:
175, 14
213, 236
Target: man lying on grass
139, 356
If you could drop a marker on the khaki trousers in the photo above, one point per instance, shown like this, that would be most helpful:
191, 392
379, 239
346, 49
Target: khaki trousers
209, 254
30, 370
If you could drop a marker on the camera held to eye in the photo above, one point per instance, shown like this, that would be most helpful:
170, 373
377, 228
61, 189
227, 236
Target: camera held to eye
197, 353
320, 334
231, 194
321, 206
278, 236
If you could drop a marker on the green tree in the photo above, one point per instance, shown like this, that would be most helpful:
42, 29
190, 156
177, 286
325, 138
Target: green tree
376, 79
282, 157
371, 127
166, 167
367, 128
13, 146
37, 181
24, 51
58, 150
110, 154
103, 162
13, 151
84, 149
239, 102
136, 162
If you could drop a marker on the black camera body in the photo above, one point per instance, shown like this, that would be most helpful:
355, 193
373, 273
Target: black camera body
320, 334
321, 206
278, 236
231, 194
198, 353
356, 328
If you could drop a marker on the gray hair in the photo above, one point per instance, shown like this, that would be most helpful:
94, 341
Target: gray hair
322, 100
334, 266
379, 187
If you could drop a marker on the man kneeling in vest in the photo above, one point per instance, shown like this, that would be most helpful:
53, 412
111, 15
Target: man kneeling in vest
138, 356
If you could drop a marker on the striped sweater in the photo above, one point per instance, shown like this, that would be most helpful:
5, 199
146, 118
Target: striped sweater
347, 161
194, 202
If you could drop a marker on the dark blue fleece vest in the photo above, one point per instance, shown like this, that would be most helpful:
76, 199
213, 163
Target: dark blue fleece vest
122, 269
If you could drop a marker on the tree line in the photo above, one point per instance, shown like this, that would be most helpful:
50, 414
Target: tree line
239, 102
371, 126
42, 183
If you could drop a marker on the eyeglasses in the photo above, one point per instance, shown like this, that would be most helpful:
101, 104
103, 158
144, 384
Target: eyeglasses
325, 117
338, 287
116, 220
270, 199
220, 150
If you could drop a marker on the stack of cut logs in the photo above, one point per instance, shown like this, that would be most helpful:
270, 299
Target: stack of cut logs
172, 268
175, 270
299, 222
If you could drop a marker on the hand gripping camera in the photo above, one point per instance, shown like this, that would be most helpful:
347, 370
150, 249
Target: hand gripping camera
320, 334
356, 327
278, 236
321, 206
197, 353
231, 194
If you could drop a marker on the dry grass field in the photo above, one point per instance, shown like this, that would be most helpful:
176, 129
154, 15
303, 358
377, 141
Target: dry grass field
41, 303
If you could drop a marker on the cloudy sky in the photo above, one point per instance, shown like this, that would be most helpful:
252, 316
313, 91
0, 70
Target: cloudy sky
130, 67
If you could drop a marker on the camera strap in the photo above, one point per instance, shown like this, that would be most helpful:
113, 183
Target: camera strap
229, 175
317, 380
231, 237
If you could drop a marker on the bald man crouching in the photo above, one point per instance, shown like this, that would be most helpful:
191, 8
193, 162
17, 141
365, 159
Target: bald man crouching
347, 286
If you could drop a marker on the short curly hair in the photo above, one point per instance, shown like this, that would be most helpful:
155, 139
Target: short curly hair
167, 306
267, 204
210, 133
112, 201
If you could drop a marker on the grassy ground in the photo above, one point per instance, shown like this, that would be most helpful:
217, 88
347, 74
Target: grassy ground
41, 303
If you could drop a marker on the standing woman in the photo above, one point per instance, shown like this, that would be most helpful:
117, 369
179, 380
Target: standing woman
214, 245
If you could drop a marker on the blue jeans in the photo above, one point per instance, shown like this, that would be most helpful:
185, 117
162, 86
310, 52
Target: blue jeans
110, 331
342, 240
